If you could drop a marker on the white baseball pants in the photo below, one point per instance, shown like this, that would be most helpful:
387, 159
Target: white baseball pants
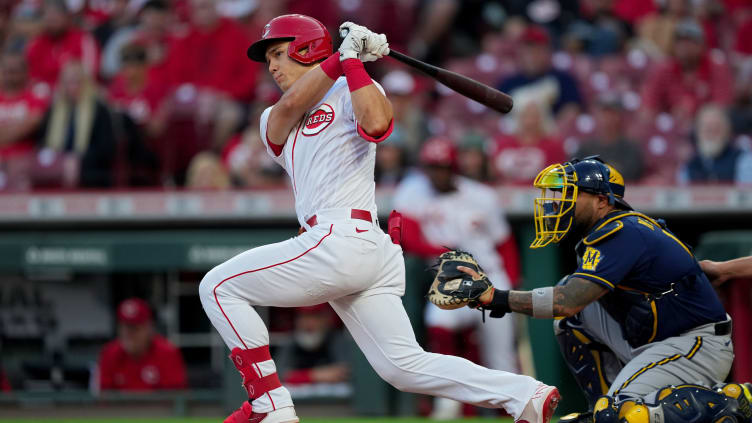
353, 265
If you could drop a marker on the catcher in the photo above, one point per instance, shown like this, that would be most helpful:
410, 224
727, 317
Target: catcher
639, 324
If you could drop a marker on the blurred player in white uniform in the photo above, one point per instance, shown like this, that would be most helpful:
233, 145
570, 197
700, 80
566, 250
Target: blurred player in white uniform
442, 209
324, 131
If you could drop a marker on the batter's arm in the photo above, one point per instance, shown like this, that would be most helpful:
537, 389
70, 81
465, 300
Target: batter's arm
295, 102
372, 110
721, 271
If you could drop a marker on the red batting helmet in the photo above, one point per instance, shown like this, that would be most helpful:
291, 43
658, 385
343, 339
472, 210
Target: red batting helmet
303, 31
439, 151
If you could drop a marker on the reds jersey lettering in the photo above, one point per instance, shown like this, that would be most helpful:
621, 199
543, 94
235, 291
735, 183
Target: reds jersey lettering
330, 166
319, 120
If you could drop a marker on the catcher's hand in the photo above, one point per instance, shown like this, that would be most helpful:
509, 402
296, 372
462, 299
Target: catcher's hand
361, 43
452, 287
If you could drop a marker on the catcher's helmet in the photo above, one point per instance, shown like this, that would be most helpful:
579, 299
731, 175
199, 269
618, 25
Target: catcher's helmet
559, 184
438, 151
303, 31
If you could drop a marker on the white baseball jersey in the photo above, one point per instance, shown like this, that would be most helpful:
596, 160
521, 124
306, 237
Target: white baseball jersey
469, 218
330, 165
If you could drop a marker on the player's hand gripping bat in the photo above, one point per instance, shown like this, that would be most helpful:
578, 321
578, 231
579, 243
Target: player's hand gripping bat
470, 88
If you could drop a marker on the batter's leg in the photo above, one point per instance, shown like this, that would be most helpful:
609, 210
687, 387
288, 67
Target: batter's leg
382, 330
296, 272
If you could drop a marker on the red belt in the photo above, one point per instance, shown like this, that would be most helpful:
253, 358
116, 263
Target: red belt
354, 213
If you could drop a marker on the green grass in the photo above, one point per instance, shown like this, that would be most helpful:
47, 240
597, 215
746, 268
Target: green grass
205, 420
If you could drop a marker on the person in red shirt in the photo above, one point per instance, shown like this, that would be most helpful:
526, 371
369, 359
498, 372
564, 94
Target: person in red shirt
690, 78
140, 359
135, 90
59, 43
518, 157
21, 107
207, 57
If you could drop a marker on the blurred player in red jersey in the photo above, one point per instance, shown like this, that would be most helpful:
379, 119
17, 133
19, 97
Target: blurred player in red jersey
440, 208
140, 359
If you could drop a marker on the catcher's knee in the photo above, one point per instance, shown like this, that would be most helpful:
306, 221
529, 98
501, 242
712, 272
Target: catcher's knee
584, 359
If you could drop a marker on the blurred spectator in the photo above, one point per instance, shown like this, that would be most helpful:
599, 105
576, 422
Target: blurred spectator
208, 57
656, 32
610, 142
742, 44
135, 90
118, 16
599, 28
21, 108
246, 159
408, 101
519, 157
555, 89
691, 77
59, 43
210, 82
140, 359
206, 171
391, 159
318, 353
472, 157
716, 158
741, 110
153, 30
79, 124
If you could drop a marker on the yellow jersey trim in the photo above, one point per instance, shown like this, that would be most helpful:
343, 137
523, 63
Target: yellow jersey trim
596, 277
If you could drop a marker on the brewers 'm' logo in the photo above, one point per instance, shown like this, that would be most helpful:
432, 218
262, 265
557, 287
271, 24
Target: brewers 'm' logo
590, 259
319, 120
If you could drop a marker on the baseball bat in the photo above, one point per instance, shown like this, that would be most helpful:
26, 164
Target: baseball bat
470, 88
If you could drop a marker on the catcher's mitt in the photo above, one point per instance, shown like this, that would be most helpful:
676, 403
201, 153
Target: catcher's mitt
451, 288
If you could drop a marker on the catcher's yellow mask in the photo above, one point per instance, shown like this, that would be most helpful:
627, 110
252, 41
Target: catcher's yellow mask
559, 185
554, 209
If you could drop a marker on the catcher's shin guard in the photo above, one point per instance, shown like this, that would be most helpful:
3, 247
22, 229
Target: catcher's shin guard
584, 358
743, 396
694, 404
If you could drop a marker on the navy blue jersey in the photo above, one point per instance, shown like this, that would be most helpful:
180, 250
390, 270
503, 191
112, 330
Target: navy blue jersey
635, 256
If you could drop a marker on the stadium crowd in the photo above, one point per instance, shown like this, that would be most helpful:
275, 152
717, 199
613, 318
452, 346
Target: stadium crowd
159, 93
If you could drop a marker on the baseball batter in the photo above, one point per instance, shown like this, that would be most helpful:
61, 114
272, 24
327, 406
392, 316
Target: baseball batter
323, 131
642, 328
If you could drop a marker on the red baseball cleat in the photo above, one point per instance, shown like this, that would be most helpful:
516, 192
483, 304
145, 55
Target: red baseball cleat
541, 406
245, 414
